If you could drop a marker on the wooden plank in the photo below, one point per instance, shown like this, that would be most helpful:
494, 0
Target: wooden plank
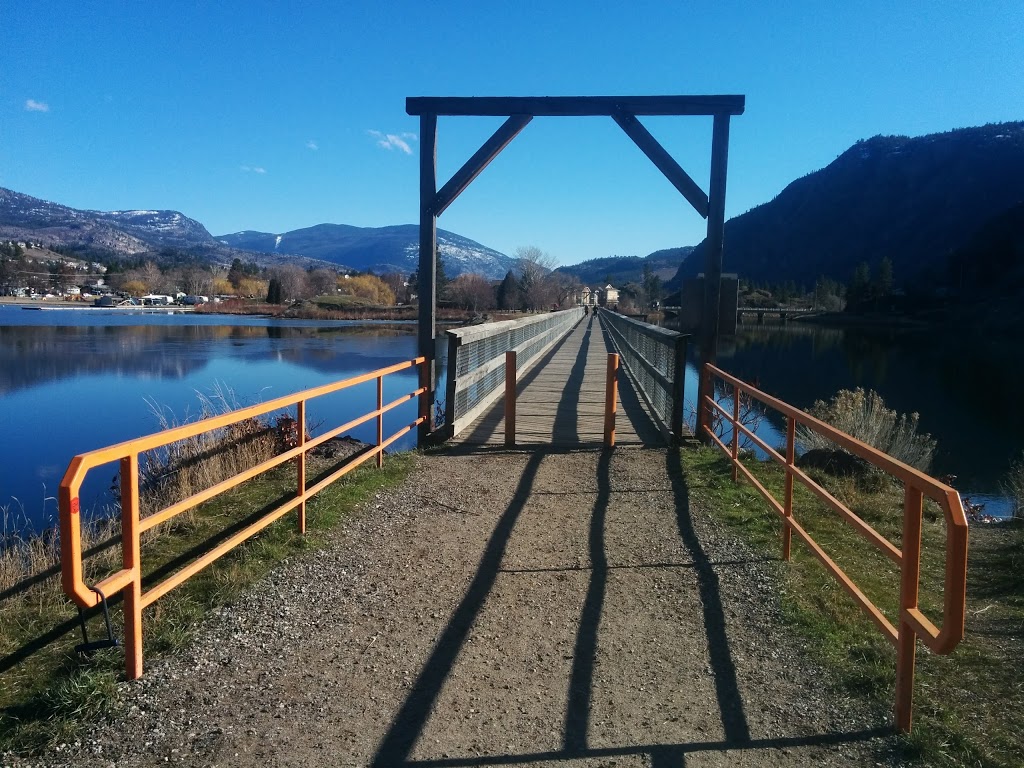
480, 160
574, 106
545, 417
664, 162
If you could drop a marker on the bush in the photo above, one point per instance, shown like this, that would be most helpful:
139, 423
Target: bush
863, 415
1013, 486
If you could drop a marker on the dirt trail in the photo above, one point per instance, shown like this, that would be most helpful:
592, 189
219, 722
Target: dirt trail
502, 608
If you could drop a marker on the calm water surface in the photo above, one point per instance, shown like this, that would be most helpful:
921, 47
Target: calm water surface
966, 390
74, 381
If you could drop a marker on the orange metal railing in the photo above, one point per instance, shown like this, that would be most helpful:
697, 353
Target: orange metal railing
128, 580
911, 623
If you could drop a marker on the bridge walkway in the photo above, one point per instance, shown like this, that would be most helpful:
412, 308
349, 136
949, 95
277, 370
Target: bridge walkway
561, 399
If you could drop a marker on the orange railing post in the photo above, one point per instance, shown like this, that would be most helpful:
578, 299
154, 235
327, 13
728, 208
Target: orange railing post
787, 501
737, 394
510, 397
611, 396
132, 561
910, 579
380, 422
300, 461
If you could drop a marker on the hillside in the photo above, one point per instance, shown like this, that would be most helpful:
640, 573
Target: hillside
619, 270
913, 200
172, 236
375, 249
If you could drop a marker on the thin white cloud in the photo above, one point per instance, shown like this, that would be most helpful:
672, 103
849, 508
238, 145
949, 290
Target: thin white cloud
312, 145
252, 169
390, 141
31, 105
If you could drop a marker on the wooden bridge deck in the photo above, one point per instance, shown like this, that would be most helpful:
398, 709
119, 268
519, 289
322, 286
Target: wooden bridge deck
560, 399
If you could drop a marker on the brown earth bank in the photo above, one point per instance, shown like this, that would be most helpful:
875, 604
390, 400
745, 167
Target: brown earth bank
501, 608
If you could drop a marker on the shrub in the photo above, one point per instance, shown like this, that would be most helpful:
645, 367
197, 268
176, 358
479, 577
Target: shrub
1013, 486
863, 415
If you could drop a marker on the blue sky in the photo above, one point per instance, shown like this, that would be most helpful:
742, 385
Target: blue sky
250, 115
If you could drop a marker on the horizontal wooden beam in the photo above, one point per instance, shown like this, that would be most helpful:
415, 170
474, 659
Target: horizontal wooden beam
574, 106
480, 160
658, 155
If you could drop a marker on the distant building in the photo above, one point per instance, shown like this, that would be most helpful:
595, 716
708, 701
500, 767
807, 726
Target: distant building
608, 297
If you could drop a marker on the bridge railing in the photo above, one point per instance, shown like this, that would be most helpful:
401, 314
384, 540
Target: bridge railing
128, 580
476, 360
656, 360
910, 623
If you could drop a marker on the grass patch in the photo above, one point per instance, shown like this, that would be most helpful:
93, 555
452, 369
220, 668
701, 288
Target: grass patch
968, 706
49, 695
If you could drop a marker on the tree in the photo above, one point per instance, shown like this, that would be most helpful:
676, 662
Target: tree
652, 286
274, 292
322, 281
237, 273
883, 281
508, 292
472, 292
538, 289
369, 287
397, 284
293, 281
860, 286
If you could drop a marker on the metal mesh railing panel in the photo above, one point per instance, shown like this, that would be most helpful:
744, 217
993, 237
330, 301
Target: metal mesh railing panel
649, 353
475, 352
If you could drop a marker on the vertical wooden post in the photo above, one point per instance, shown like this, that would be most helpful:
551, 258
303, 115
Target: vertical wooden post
611, 396
910, 574
713, 258
787, 510
131, 560
678, 388
454, 344
427, 265
300, 461
510, 397
380, 421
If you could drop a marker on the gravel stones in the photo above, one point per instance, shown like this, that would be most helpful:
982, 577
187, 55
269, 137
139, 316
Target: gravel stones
547, 608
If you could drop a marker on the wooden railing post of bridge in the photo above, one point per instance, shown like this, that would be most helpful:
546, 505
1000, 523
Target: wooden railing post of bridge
510, 397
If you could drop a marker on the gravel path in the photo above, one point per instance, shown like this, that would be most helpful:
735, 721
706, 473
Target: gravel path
523, 608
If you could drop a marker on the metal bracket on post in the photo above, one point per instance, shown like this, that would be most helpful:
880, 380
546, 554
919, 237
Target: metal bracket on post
88, 648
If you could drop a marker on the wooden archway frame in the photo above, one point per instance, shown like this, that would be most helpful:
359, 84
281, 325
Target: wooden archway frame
520, 111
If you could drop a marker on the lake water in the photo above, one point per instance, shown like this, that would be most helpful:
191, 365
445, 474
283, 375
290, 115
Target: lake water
73, 381
966, 390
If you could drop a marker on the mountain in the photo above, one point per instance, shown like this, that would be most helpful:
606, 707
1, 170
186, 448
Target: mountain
619, 270
913, 200
376, 249
121, 232
134, 233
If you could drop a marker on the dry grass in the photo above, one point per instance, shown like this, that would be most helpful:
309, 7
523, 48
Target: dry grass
863, 415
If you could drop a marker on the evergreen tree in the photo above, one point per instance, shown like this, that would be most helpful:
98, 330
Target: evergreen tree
274, 292
508, 292
883, 282
860, 286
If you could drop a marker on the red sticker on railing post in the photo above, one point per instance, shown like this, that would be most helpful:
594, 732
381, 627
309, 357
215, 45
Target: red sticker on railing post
74, 506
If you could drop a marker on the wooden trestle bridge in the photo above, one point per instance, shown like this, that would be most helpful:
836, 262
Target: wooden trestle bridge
555, 379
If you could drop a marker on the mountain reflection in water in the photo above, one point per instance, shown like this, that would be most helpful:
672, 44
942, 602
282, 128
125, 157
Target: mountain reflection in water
75, 381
